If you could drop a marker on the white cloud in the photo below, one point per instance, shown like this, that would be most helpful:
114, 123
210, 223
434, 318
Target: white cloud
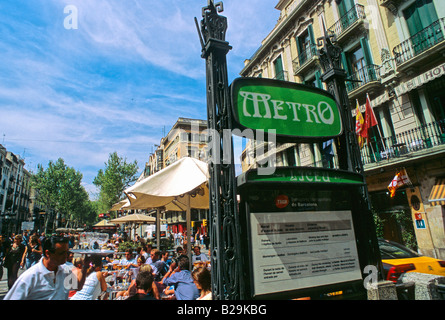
130, 70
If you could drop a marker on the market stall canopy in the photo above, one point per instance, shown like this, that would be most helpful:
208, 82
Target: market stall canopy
104, 224
135, 218
437, 195
65, 230
119, 205
185, 176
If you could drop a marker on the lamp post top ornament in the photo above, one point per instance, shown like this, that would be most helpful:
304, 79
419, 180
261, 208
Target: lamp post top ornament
329, 53
213, 26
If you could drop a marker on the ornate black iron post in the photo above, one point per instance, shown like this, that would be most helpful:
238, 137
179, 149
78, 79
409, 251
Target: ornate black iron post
347, 146
335, 76
224, 227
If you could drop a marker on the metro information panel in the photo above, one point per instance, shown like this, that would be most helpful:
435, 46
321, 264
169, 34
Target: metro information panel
305, 249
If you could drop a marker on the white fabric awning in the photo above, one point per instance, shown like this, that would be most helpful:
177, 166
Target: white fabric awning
187, 175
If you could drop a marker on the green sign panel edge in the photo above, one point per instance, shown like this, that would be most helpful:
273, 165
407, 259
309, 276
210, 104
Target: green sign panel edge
303, 175
293, 110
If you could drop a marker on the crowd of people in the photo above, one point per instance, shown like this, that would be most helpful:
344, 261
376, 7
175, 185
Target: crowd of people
198, 239
54, 273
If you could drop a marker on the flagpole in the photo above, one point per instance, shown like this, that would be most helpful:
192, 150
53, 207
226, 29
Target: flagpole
378, 128
372, 149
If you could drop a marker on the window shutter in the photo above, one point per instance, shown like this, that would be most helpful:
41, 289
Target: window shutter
366, 52
318, 82
344, 61
278, 64
310, 30
427, 12
297, 39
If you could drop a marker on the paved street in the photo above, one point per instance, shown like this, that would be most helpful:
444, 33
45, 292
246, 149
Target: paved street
4, 283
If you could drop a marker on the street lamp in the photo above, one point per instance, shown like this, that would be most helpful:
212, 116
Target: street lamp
6, 217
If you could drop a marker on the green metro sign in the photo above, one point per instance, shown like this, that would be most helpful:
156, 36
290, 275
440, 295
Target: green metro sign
292, 110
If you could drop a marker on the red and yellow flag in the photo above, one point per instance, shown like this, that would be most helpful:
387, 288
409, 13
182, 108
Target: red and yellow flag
370, 119
359, 121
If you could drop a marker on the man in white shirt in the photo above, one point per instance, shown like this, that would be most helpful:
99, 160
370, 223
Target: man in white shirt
129, 260
50, 279
198, 256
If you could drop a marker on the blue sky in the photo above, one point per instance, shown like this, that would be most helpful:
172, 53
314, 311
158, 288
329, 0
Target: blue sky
128, 71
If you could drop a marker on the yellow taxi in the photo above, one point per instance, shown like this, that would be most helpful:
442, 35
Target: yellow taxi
398, 259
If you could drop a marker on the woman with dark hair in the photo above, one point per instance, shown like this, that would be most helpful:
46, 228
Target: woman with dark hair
13, 259
94, 283
202, 279
33, 252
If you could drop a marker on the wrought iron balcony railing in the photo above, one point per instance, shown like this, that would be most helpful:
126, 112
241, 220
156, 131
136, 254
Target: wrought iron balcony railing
405, 143
357, 12
282, 75
420, 42
308, 53
363, 76
304, 57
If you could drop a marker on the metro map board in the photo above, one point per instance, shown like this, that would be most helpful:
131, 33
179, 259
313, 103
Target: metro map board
297, 250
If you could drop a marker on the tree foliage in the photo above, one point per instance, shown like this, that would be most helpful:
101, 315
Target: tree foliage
114, 179
59, 188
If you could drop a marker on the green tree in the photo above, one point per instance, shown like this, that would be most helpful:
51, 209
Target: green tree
114, 179
59, 188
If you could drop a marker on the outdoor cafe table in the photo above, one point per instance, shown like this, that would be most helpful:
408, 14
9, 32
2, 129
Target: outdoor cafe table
100, 252
114, 289
116, 270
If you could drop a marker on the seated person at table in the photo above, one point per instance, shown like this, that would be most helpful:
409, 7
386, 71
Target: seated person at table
159, 267
77, 271
180, 277
144, 285
179, 252
202, 278
132, 289
129, 260
94, 283
198, 256
165, 258
147, 250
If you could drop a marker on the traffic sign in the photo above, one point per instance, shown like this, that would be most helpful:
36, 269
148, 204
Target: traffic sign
420, 224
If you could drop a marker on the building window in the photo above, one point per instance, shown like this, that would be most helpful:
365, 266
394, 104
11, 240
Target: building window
315, 81
359, 66
422, 21
279, 70
306, 45
344, 6
358, 62
436, 96
420, 15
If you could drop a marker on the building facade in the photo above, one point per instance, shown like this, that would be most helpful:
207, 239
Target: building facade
15, 189
187, 138
393, 53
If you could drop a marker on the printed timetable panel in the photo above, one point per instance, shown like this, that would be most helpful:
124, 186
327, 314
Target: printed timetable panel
296, 250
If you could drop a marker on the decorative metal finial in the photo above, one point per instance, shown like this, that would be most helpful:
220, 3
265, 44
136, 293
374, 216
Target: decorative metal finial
329, 53
213, 25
